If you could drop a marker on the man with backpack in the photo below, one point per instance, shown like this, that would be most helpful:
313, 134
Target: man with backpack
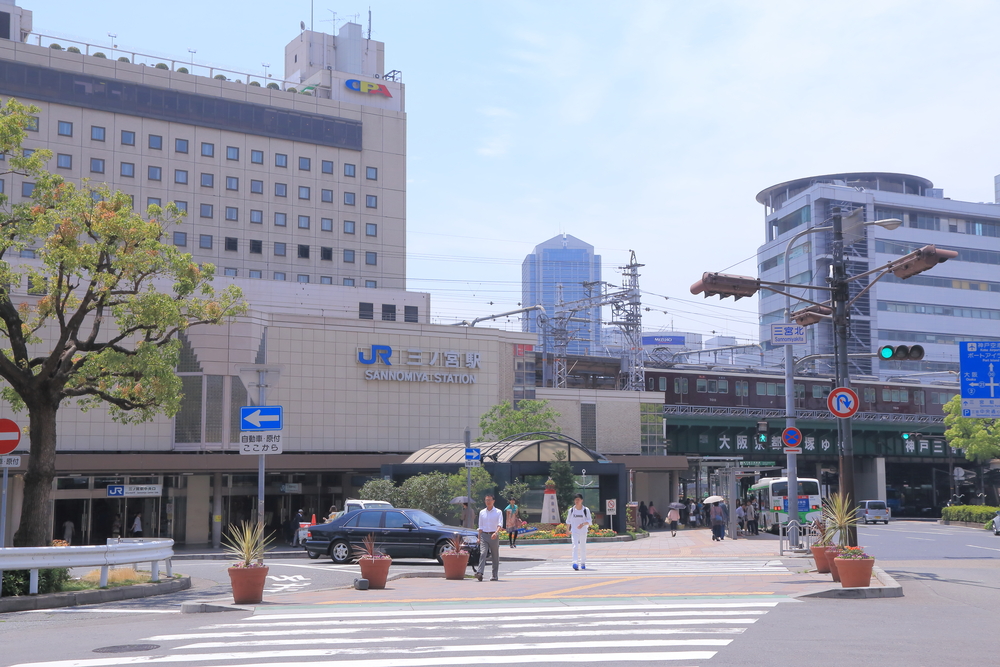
578, 519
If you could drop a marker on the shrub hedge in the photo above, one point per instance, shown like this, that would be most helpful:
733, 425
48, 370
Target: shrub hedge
969, 513
16, 582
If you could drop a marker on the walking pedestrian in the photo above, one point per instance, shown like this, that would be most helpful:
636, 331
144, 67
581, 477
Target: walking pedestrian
751, 512
673, 516
578, 519
741, 516
137, 525
116, 526
299, 517
717, 519
654, 516
68, 529
468, 516
513, 522
490, 523
693, 514
643, 513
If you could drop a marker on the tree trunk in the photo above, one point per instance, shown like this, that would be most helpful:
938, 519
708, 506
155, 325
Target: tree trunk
35, 529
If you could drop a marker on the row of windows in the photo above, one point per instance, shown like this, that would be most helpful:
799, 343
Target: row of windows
951, 283
256, 247
155, 142
964, 254
299, 278
934, 222
819, 391
366, 311
949, 311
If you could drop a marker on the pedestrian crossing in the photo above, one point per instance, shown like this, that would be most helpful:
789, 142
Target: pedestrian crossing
652, 567
630, 634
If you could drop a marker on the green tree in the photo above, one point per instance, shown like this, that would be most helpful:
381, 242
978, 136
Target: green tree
561, 473
979, 438
515, 490
381, 489
482, 483
107, 296
430, 492
503, 420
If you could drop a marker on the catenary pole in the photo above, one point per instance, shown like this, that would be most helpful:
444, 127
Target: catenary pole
841, 326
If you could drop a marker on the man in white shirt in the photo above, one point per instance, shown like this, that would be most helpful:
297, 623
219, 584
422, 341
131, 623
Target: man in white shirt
578, 519
490, 523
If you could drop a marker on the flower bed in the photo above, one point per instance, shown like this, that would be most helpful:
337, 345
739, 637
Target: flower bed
548, 531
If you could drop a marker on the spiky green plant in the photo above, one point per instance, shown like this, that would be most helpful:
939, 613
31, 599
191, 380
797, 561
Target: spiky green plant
246, 543
368, 549
840, 517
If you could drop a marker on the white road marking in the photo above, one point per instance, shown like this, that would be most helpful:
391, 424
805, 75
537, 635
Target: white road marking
974, 546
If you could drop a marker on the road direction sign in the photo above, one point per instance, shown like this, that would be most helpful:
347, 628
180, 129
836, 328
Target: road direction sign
10, 436
10, 461
261, 418
843, 402
788, 334
979, 363
473, 454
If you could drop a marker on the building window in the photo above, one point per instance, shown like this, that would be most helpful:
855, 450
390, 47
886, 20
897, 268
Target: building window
280, 160
152, 201
305, 164
303, 251
232, 244
65, 128
27, 189
326, 280
326, 196
231, 273
371, 284
256, 247
326, 224
180, 176
303, 222
208, 180
232, 183
349, 170
254, 273
371, 229
388, 312
205, 241
256, 217
348, 226
155, 142
371, 201
257, 187
279, 249
280, 190
128, 138
279, 275
180, 239
371, 173
154, 173
232, 213
348, 256
410, 314
280, 219
207, 149
327, 166
349, 199
371, 258
366, 311
31, 124
182, 206
128, 170
348, 282
257, 157
96, 133
232, 153
207, 210
304, 192
64, 161
326, 254
302, 278
180, 145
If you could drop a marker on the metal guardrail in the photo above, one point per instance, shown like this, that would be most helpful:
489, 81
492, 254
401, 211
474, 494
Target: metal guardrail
126, 551
795, 537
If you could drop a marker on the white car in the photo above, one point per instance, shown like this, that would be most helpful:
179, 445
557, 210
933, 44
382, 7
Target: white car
873, 511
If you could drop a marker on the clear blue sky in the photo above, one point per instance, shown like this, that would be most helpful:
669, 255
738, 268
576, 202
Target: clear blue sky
640, 125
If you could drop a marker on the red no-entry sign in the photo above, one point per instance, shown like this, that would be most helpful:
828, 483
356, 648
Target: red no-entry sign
10, 436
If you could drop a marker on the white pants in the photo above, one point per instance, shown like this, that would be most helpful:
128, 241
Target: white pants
579, 538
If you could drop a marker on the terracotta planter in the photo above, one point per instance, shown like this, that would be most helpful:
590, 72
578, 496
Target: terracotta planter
831, 556
819, 555
375, 570
855, 572
455, 564
248, 584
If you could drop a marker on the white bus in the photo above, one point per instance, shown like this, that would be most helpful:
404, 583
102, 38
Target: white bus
772, 499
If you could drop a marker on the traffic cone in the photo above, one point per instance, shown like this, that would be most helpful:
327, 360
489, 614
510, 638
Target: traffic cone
313, 520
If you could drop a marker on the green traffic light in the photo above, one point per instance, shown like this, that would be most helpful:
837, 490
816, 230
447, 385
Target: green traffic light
906, 436
886, 352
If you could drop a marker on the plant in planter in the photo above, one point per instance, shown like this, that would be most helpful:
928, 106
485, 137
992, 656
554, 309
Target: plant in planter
455, 558
246, 543
855, 567
840, 517
818, 548
373, 561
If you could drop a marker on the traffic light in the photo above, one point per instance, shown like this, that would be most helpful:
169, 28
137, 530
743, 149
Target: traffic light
723, 285
907, 437
762, 427
810, 315
901, 352
920, 260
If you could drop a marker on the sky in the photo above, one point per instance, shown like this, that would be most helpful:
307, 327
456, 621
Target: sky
645, 126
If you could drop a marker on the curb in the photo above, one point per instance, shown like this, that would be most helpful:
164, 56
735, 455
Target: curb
75, 598
208, 607
890, 588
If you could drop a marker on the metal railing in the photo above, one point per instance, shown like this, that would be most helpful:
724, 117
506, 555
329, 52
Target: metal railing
126, 551
795, 537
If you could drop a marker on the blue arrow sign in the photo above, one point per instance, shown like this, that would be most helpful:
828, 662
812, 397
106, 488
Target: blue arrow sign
471, 453
261, 418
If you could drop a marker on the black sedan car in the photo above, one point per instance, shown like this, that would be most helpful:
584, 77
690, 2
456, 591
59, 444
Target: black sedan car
401, 533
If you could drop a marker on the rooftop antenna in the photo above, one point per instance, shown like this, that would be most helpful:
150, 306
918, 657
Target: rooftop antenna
369, 23
312, 15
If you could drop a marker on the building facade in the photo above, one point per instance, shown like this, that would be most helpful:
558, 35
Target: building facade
957, 300
559, 271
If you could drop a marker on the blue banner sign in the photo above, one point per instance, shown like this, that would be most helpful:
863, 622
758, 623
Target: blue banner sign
664, 340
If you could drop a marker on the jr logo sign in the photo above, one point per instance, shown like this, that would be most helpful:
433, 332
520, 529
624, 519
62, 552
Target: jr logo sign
378, 353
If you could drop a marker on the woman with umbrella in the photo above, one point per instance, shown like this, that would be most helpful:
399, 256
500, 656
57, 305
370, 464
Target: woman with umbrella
673, 516
468, 513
